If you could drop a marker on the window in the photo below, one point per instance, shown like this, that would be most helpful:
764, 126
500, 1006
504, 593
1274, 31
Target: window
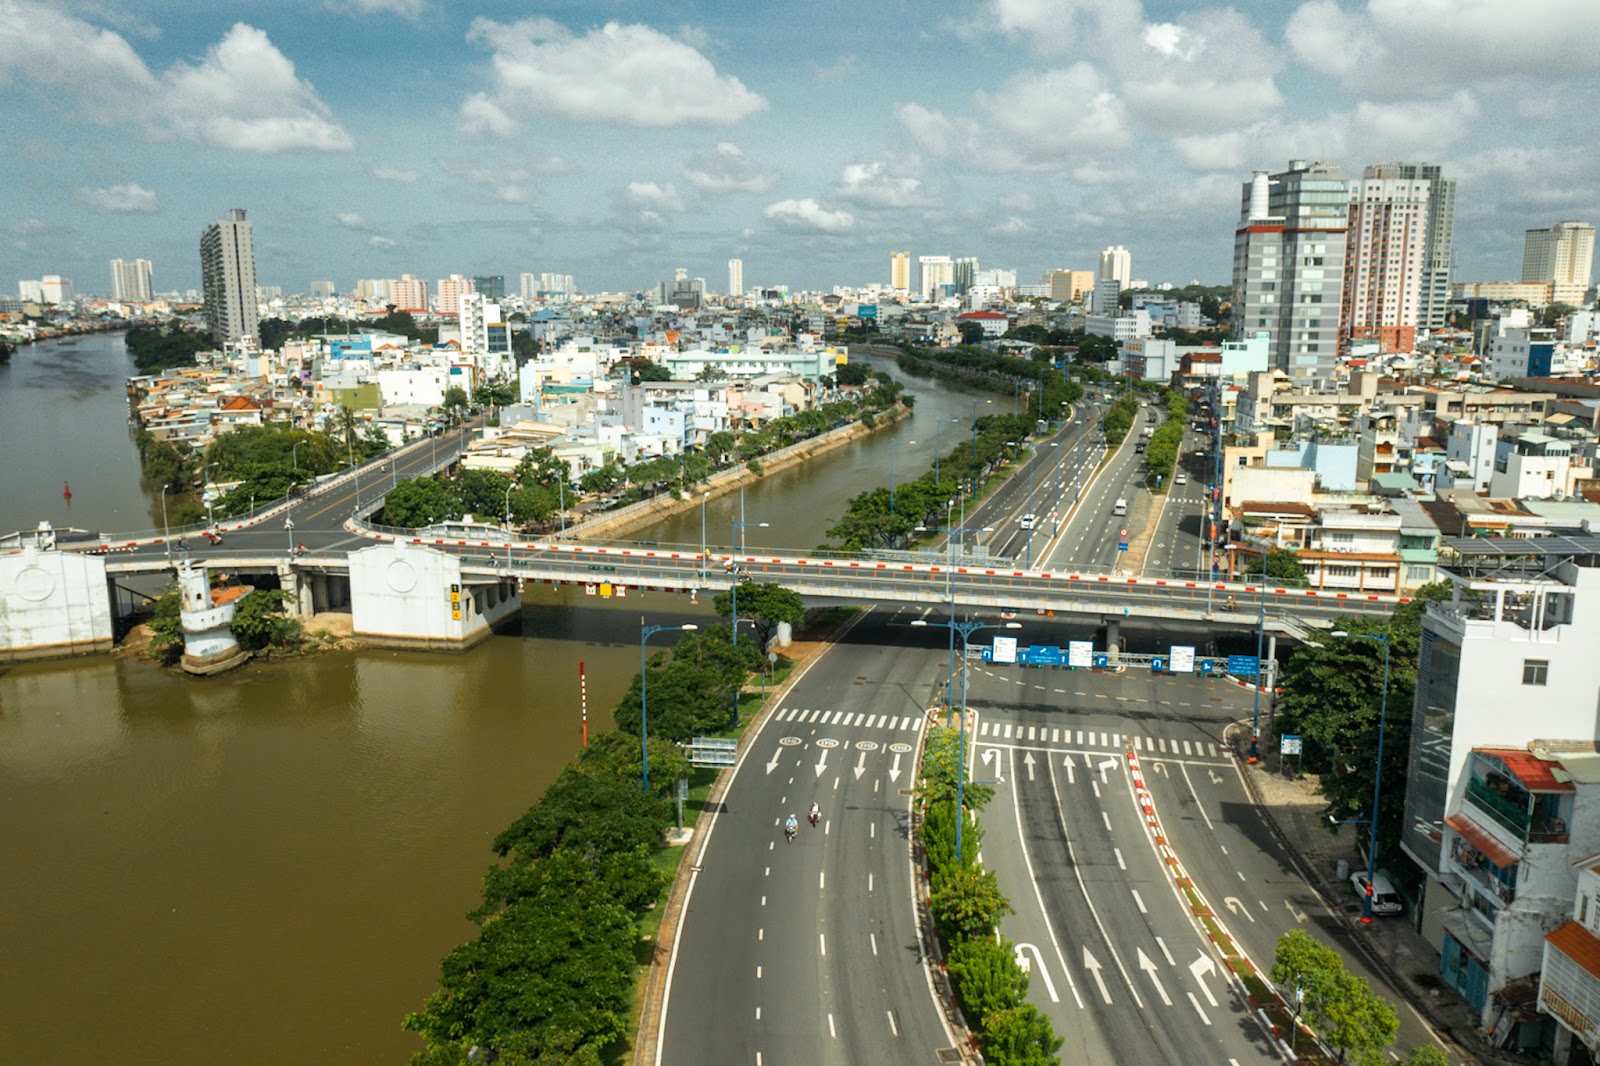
1535, 671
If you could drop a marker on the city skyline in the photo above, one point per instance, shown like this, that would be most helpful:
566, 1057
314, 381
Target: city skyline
375, 138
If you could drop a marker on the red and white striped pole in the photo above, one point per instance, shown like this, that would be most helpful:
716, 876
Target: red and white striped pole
583, 701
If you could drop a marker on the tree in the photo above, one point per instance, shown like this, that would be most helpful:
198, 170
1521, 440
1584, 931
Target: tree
417, 502
1427, 1055
587, 813
968, 903
971, 333
541, 466
481, 493
455, 401
766, 604
1019, 1036
986, 977
259, 621
850, 374
1339, 1005
1282, 567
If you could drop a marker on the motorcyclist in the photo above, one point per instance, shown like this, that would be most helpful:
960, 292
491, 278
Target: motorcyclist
816, 812
790, 827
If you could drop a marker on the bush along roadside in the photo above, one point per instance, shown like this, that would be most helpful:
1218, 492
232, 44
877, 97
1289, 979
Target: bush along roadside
967, 905
1161, 454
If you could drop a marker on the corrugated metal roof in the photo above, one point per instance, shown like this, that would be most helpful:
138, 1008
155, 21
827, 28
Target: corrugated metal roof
1533, 773
1577, 944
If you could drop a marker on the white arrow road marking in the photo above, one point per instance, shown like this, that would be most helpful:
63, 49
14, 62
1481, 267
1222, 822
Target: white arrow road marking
822, 762
1027, 760
1216, 778
1150, 968
894, 769
1067, 762
1160, 768
861, 766
1197, 1008
1028, 966
1103, 766
1093, 967
1203, 964
994, 754
1236, 907
1298, 916
773, 765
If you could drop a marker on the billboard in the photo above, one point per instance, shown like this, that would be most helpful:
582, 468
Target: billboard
1005, 649
1182, 659
1080, 653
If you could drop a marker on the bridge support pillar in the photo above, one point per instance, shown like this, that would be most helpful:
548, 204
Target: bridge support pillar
301, 593
1113, 640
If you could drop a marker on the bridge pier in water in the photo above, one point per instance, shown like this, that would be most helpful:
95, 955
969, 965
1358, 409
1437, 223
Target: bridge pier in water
53, 603
407, 596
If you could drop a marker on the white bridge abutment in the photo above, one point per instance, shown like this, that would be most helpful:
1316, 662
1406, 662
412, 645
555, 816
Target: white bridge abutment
406, 596
53, 604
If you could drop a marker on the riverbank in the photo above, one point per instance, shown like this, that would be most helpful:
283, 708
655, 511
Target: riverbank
618, 524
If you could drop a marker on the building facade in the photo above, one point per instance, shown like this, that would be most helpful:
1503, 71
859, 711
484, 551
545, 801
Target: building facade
130, 280
1433, 307
1385, 259
409, 293
736, 277
936, 271
1563, 257
1288, 266
900, 271
228, 276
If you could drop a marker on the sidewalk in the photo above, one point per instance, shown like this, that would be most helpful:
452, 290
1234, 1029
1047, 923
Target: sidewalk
1399, 954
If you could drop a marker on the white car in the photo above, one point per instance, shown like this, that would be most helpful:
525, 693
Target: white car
1181, 479
1385, 900
1027, 520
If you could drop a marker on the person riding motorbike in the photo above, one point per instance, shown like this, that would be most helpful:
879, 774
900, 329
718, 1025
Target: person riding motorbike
816, 812
790, 827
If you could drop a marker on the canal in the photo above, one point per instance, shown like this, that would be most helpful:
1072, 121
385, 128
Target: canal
267, 867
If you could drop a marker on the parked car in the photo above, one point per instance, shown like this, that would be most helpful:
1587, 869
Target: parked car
1385, 900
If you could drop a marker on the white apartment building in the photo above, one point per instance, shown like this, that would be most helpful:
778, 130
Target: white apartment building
1469, 455
741, 362
1529, 464
1116, 264
422, 386
130, 280
736, 277
936, 270
1387, 251
1119, 328
1562, 257
1494, 826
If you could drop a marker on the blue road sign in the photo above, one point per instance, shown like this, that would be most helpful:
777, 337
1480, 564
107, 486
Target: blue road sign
1158, 664
1102, 661
1244, 665
1207, 666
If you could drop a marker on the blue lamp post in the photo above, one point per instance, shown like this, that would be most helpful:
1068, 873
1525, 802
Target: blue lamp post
892, 446
645, 633
950, 575
1377, 777
966, 629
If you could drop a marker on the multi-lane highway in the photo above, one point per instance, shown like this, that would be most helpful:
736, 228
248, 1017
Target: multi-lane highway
1175, 546
809, 952
1089, 538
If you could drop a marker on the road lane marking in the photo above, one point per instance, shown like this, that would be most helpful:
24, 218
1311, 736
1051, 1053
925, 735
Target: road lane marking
1139, 902
1197, 802
1162, 944
822, 938
835, 1035
983, 730
1033, 881
758, 973
1149, 967
1198, 1010
869, 882
873, 939
1055, 736
893, 1028
761, 934
1118, 853
1107, 819
822, 879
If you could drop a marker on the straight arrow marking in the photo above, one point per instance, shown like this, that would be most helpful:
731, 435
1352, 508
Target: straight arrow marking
1093, 966
894, 770
1067, 762
773, 765
1027, 761
1150, 968
861, 766
822, 762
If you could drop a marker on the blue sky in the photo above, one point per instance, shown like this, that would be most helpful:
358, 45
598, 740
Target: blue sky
614, 142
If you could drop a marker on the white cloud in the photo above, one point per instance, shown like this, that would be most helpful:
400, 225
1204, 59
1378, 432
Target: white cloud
244, 93
1171, 40
388, 173
410, 9
1010, 227
1059, 112
481, 115
376, 241
351, 220
630, 75
727, 169
658, 197
807, 214
120, 199
872, 184
1422, 47
846, 66
1050, 26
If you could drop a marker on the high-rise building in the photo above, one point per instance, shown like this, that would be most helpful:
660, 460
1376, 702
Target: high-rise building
228, 275
1069, 286
736, 277
900, 271
1385, 258
1288, 266
1115, 262
557, 284
373, 289
323, 290
130, 280
449, 293
1562, 255
409, 293
492, 286
936, 270
528, 285
1433, 306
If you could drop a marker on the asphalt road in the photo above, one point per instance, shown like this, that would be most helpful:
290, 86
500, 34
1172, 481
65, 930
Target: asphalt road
1089, 538
1044, 486
808, 952
1175, 547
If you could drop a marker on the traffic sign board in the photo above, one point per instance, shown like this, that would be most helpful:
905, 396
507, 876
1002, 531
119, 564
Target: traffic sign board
1158, 664
1244, 665
1102, 661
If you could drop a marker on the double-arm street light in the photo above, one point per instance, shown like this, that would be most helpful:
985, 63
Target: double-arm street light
937, 423
166, 530
950, 535
966, 629
294, 457
211, 495
1377, 775
645, 633
892, 446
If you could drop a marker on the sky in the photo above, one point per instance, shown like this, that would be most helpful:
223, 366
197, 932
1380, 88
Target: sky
616, 142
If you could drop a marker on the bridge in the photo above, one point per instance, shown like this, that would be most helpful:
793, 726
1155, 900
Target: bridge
455, 589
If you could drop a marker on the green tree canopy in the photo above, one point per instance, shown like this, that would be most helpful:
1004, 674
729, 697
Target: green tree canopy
968, 903
1282, 567
418, 502
766, 604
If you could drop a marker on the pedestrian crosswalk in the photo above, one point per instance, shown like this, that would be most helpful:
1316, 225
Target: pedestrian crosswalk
848, 719
1091, 738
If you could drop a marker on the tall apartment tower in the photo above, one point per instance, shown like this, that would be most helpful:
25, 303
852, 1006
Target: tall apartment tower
736, 277
1116, 263
409, 293
130, 280
1563, 257
1432, 310
1385, 258
937, 270
449, 293
228, 276
963, 273
1288, 266
900, 271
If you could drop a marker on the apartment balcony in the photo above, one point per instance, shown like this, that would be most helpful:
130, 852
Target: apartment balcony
1504, 812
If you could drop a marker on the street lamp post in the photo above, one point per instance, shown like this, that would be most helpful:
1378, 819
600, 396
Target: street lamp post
1261, 633
704, 496
950, 575
892, 446
288, 531
166, 529
1377, 776
294, 456
966, 629
937, 423
737, 534
211, 497
645, 633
